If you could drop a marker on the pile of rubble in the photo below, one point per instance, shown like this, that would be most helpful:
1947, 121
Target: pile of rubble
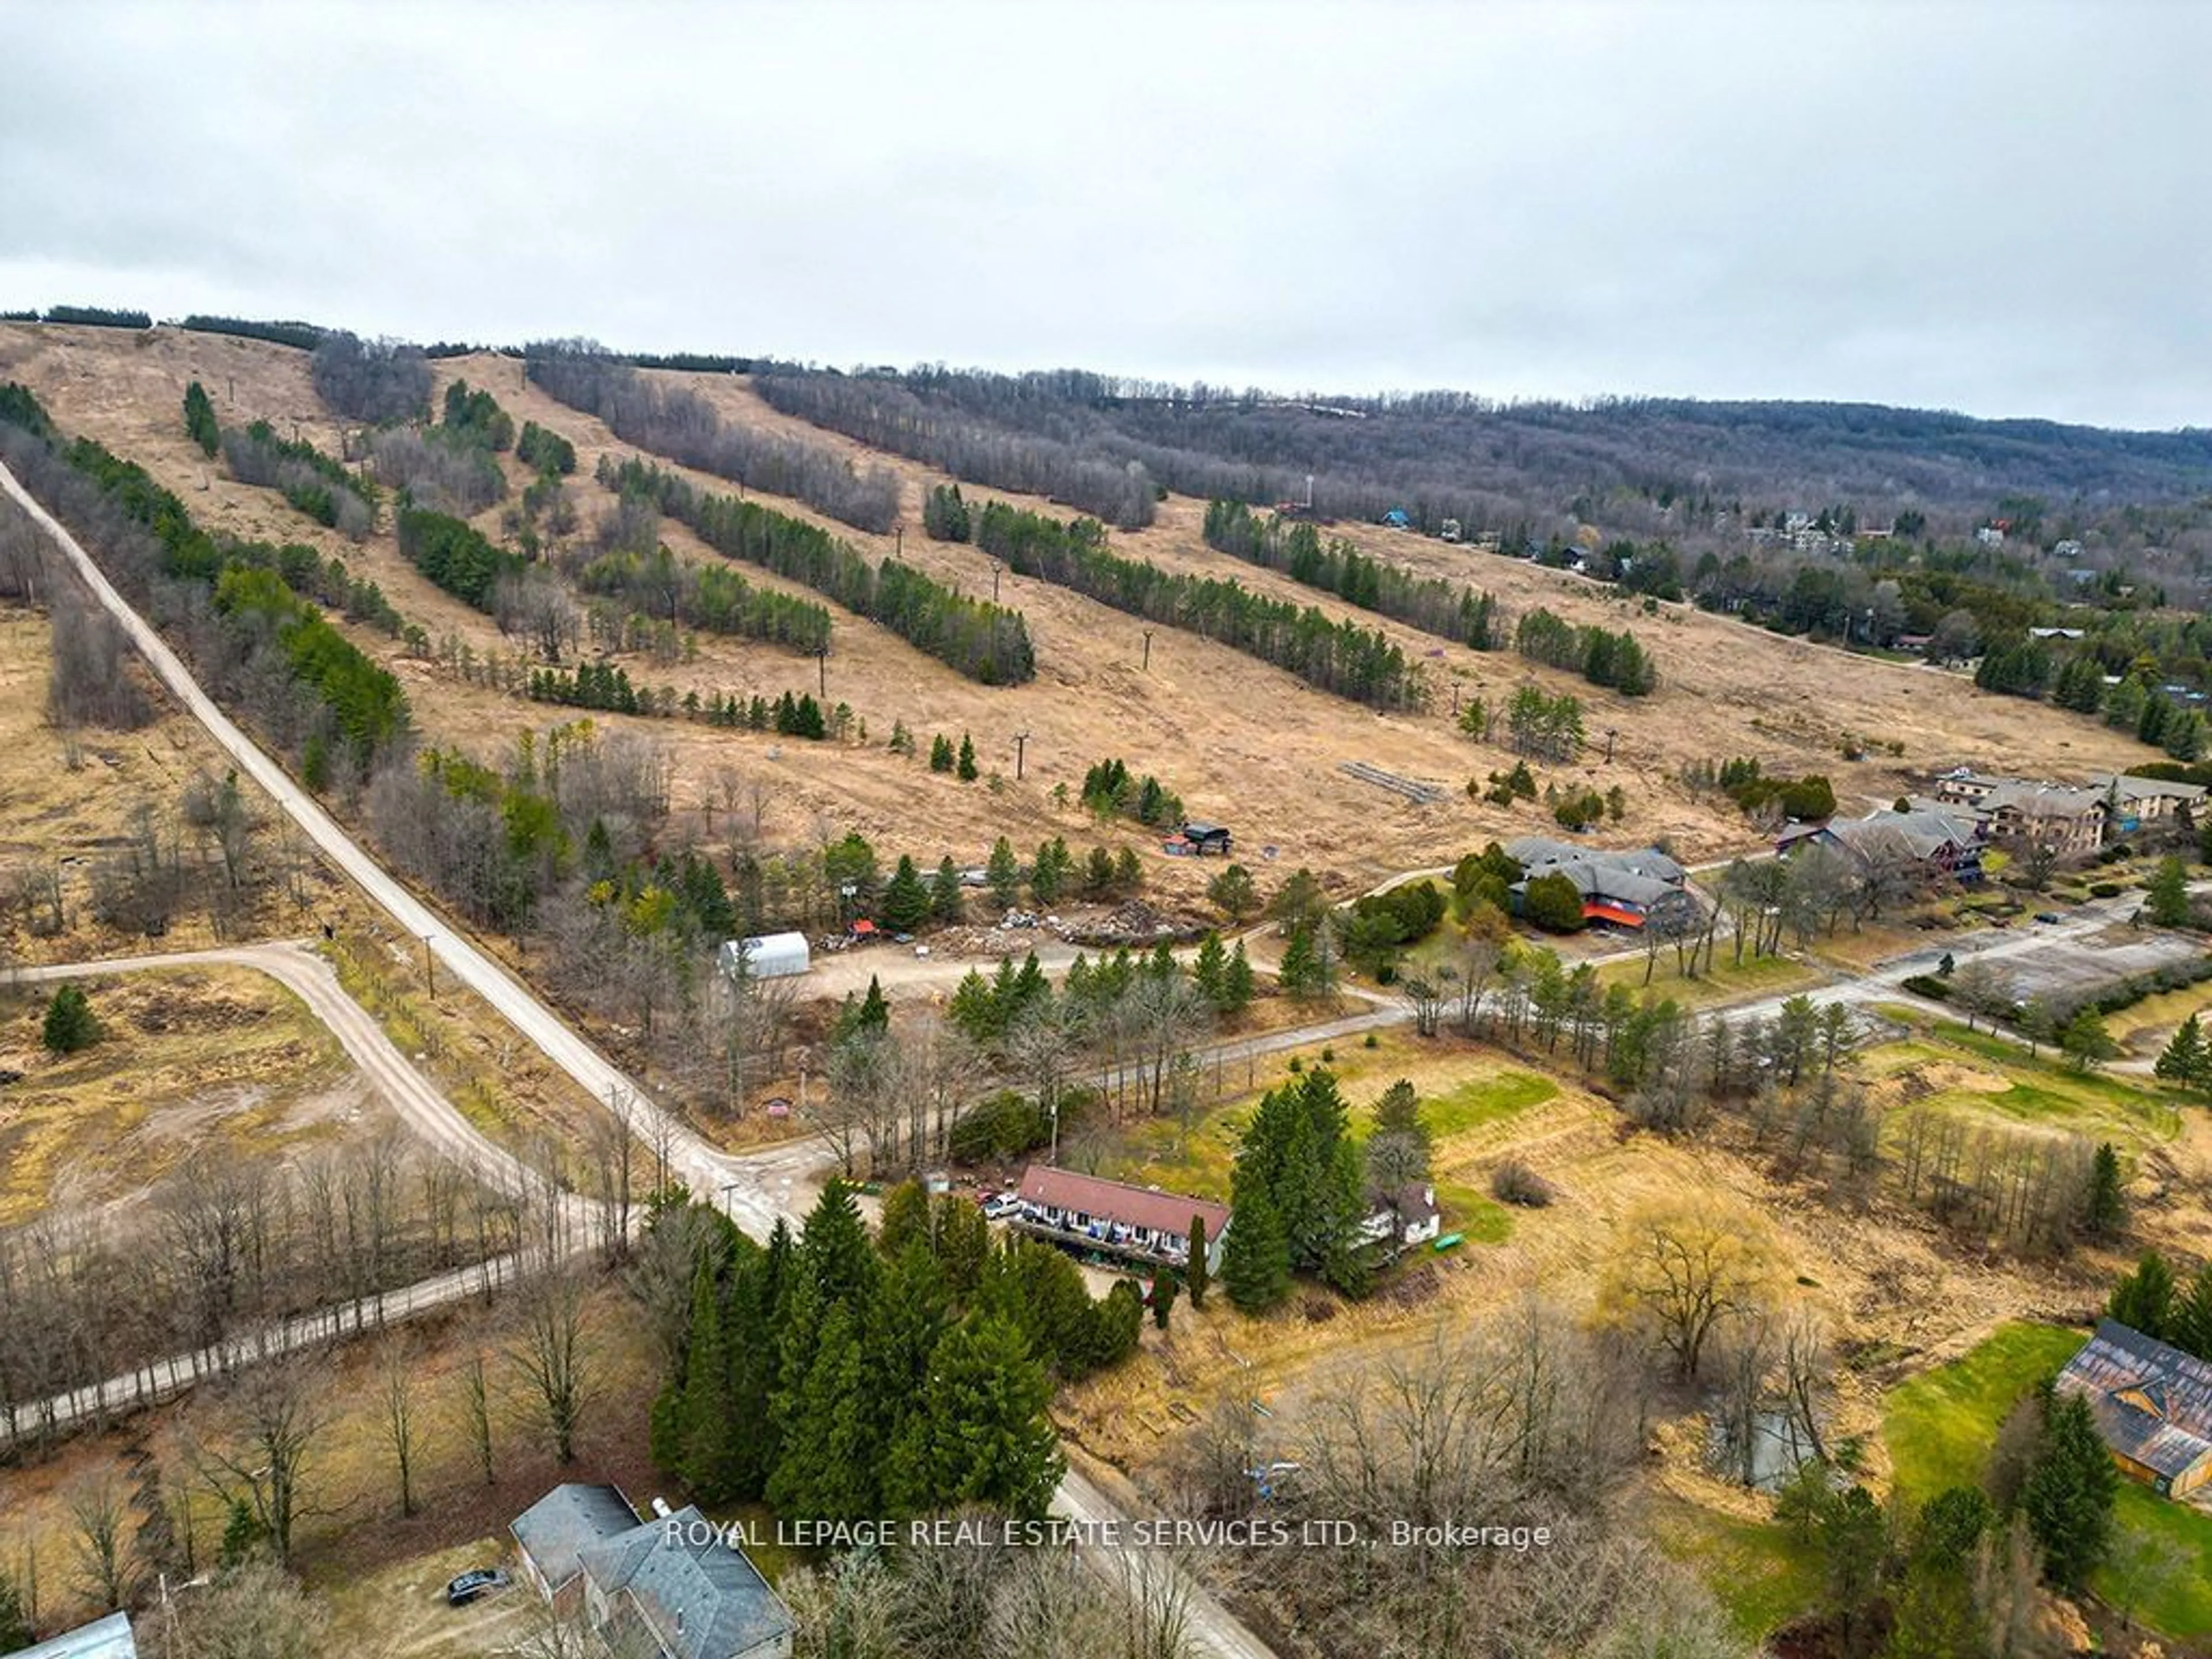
1133, 923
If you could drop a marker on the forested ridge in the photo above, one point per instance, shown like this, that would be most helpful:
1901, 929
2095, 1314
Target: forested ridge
682, 426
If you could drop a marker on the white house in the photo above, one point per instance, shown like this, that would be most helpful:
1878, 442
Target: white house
1404, 1218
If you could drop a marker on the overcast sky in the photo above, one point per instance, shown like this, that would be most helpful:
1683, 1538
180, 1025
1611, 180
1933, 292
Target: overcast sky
1999, 207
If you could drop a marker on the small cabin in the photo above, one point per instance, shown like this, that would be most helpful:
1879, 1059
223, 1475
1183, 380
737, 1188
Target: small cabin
1205, 838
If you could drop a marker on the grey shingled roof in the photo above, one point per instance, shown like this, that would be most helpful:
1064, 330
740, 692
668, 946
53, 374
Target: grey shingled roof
2152, 1402
700, 1598
554, 1530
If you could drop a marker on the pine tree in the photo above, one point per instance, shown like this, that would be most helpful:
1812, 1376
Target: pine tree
2106, 1211
906, 899
2186, 1060
1210, 968
912, 1312
15, 1629
1197, 1269
906, 1220
832, 1452
2143, 1300
1236, 984
941, 753
2069, 1492
2086, 1041
1004, 872
947, 903
71, 1024
706, 1427
982, 1435
2167, 891
1255, 1259
199, 420
834, 1252
965, 769
1299, 974
1164, 1296
2189, 1322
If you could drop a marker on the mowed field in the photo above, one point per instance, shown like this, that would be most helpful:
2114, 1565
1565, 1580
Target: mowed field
1243, 743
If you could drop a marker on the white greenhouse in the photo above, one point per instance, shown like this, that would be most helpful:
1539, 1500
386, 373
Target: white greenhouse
769, 955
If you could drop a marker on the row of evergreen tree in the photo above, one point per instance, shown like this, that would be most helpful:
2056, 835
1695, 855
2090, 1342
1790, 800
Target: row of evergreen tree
709, 595
1340, 657
840, 1378
1465, 614
456, 556
2155, 1300
365, 707
543, 450
1111, 790
2022, 666
472, 415
986, 642
1599, 656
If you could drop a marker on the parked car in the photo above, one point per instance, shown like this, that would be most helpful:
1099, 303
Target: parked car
2048, 918
1005, 1205
479, 1581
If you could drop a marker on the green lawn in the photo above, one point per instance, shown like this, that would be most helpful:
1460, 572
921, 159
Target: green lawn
2045, 1090
1939, 1426
1726, 982
1476, 1102
1762, 1575
1481, 1219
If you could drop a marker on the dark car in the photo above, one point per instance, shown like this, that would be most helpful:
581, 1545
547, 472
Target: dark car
482, 1580
2048, 918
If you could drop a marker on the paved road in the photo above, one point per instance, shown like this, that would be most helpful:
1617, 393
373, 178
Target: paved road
749, 1201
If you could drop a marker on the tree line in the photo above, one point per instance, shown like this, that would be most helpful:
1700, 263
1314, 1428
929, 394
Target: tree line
711, 597
1465, 615
1599, 656
839, 1377
87, 316
885, 415
1360, 664
456, 556
326, 491
986, 642
241, 621
303, 337
684, 427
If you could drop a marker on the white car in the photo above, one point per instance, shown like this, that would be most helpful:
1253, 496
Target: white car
1002, 1206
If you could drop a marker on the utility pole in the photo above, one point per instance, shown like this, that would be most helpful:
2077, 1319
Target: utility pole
1148, 651
1021, 742
900, 531
822, 666
430, 971
995, 569
1610, 734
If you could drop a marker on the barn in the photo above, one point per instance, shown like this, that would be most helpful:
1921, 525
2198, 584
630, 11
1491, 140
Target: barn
765, 956
2152, 1405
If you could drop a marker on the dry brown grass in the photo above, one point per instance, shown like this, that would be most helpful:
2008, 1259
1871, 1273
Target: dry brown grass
1242, 742
191, 1057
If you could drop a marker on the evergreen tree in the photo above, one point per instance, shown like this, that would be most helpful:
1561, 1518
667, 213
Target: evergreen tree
15, 1629
1128, 873
1236, 984
965, 769
1299, 973
1233, 893
1004, 872
71, 1024
981, 1435
2167, 893
1255, 1259
2186, 1060
706, 1428
906, 899
1164, 1296
835, 1253
832, 1449
2143, 1300
948, 905
2106, 1211
2086, 1041
2069, 1492
941, 753
1048, 874
2188, 1322
1210, 968
1197, 1270
906, 1220
911, 1313
963, 1243
199, 420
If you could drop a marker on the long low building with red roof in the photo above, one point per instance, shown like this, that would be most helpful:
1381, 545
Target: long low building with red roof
1138, 1224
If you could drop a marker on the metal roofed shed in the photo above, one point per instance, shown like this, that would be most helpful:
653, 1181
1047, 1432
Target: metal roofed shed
2153, 1404
103, 1639
765, 956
